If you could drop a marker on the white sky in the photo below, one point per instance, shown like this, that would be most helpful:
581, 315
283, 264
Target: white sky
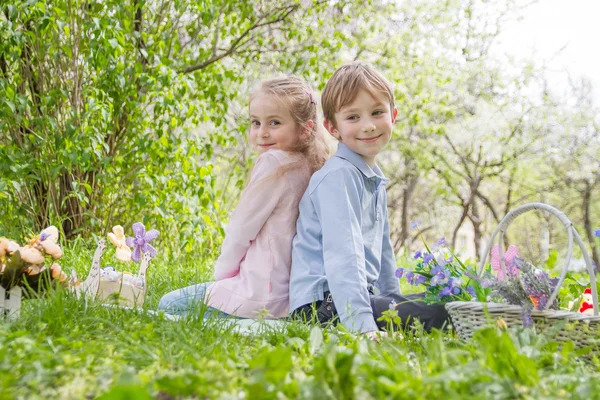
549, 25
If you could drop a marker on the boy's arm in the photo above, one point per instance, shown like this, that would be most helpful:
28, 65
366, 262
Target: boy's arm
337, 201
387, 283
258, 201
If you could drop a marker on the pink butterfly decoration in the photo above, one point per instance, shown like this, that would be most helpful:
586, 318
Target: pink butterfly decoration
509, 257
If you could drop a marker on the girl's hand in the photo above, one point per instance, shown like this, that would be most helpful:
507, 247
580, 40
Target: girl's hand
375, 335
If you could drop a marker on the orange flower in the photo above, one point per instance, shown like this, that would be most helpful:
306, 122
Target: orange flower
31, 255
48, 240
58, 273
534, 300
7, 247
51, 249
34, 269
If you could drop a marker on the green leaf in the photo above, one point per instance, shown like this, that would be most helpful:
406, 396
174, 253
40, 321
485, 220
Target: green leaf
126, 392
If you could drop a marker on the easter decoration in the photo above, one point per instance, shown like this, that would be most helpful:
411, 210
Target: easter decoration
523, 295
24, 271
124, 288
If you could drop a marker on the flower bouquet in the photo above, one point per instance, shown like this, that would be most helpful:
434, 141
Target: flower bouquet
25, 267
444, 276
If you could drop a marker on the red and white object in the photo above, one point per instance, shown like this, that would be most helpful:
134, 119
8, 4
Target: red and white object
587, 306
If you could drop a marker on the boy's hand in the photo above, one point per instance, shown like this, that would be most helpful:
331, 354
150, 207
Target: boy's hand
375, 335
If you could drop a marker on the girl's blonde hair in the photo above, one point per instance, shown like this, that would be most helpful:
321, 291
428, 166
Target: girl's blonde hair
299, 99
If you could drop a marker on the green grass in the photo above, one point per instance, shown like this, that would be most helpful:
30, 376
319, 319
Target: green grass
67, 348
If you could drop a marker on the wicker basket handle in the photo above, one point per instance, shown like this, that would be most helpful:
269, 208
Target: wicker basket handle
572, 233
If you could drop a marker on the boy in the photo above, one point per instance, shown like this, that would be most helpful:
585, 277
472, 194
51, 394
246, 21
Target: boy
342, 250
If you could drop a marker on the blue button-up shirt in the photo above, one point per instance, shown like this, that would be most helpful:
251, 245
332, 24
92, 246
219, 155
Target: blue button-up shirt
342, 243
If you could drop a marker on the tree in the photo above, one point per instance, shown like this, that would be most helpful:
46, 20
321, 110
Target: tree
100, 102
574, 152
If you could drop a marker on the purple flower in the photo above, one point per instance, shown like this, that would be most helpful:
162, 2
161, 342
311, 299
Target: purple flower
527, 320
414, 225
597, 232
442, 242
417, 255
393, 305
454, 282
437, 270
456, 290
446, 291
419, 280
427, 258
443, 261
141, 240
440, 275
399, 273
486, 283
542, 301
445, 272
471, 290
409, 275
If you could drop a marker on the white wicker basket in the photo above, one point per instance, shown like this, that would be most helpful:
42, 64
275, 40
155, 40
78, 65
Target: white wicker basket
467, 317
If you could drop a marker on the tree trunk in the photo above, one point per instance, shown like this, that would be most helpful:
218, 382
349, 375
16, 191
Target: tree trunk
508, 204
40, 192
476, 220
474, 185
70, 206
587, 223
406, 197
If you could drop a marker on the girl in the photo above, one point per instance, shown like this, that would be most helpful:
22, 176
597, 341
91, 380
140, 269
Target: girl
253, 271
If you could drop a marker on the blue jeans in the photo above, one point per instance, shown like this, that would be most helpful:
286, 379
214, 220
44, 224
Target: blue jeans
183, 301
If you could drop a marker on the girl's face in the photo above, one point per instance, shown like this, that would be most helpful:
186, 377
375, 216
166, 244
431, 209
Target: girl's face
272, 125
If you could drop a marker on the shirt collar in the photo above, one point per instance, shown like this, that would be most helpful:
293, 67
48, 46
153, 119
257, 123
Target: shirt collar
355, 159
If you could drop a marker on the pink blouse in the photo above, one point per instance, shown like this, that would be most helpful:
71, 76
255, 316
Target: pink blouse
253, 271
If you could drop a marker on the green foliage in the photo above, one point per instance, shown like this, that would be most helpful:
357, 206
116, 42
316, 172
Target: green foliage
391, 319
124, 111
66, 348
96, 122
111, 112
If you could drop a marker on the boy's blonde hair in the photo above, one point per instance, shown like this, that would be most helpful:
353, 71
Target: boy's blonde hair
299, 99
343, 87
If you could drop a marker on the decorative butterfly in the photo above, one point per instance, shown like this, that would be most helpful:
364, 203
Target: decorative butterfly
509, 257
117, 237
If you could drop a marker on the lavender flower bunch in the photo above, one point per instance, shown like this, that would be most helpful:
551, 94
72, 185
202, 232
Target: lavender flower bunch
444, 276
531, 288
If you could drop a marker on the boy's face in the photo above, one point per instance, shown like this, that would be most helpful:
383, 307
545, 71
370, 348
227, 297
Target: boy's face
365, 125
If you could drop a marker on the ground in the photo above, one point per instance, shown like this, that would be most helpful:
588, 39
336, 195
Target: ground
66, 348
